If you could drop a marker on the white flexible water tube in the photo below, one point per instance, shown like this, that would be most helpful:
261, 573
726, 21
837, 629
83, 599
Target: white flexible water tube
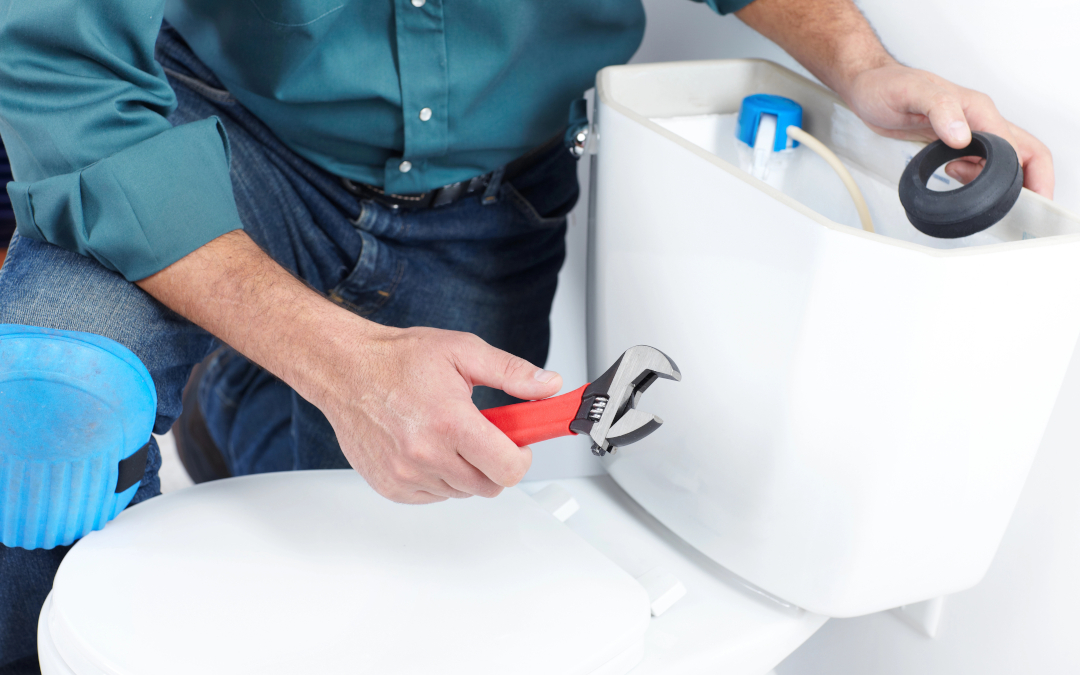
826, 154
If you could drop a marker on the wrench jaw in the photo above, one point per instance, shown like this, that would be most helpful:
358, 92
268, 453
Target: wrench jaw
632, 427
608, 413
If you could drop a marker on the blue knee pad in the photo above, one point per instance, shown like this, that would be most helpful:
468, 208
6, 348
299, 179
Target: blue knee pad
76, 414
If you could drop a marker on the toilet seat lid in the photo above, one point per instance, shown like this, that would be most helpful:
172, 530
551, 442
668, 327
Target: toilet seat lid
315, 572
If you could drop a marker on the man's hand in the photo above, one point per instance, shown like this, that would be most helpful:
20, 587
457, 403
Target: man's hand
901, 102
835, 42
399, 400
405, 420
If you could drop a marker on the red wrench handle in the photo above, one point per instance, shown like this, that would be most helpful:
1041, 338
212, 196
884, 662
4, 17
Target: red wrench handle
535, 421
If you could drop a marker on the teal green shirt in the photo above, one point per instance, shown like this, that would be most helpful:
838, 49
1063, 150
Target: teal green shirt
456, 87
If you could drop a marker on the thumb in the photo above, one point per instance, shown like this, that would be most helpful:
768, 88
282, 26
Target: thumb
483, 364
946, 115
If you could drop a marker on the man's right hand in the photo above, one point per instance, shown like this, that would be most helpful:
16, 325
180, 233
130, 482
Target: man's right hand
398, 399
401, 407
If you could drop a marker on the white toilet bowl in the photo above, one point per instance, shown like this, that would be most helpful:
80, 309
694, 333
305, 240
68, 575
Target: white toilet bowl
313, 572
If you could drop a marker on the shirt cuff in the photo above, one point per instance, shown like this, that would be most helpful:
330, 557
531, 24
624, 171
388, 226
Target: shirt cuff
726, 6
142, 209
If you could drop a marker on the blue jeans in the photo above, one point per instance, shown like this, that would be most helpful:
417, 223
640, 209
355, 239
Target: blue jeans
486, 269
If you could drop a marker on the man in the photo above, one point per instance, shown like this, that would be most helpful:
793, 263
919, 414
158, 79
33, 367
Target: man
364, 197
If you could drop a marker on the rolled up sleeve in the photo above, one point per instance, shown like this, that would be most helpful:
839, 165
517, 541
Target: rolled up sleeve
98, 168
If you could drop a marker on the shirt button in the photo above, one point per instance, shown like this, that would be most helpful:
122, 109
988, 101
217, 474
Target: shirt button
405, 166
425, 114
418, 3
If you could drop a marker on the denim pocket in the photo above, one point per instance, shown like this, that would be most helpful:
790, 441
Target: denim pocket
546, 191
373, 281
532, 216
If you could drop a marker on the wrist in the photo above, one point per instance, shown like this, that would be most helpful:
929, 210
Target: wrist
231, 288
852, 64
334, 349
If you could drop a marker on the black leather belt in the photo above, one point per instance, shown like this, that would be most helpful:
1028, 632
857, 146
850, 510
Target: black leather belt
448, 194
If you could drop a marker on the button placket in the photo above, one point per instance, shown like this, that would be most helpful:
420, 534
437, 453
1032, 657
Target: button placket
424, 78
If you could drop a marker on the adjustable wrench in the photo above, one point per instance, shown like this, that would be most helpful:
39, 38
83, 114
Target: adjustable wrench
605, 410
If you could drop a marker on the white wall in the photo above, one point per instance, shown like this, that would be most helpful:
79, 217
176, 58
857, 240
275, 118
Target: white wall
1021, 618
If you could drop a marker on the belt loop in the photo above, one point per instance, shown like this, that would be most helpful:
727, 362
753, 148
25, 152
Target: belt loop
491, 194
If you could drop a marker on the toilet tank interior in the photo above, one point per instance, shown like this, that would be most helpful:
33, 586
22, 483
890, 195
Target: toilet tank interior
858, 411
708, 117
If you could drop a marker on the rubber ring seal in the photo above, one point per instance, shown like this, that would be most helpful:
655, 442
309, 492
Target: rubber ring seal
971, 208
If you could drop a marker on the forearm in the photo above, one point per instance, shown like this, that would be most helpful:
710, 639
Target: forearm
831, 38
234, 290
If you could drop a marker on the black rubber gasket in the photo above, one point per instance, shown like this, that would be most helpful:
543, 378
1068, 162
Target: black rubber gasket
971, 208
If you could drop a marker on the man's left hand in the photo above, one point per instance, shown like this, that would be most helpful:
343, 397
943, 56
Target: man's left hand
901, 102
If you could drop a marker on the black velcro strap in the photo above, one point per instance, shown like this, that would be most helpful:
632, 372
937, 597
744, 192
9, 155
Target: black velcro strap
132, 469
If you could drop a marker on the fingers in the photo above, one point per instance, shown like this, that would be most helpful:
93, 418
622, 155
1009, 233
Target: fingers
435, 473
453, 477
446, 491
946, 116
416, 436
403, 482
480, 363
420, 497
469, 480
979, 111
1034, 157
480, 443
964, 170
1037, 161
407, 483
953, 112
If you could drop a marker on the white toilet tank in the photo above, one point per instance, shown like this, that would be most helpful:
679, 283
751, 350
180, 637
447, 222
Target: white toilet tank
858, 411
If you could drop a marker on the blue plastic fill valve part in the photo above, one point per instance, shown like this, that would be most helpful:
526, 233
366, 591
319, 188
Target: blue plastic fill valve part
76, 414
787, 112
